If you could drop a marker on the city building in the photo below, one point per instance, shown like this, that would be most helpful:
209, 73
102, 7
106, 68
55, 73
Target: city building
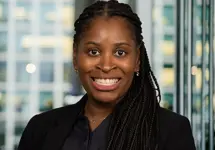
35, 61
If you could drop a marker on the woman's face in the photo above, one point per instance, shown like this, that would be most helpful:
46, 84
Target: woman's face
106, 58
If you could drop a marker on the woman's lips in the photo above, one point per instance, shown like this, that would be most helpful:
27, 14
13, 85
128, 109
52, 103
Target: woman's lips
107, 84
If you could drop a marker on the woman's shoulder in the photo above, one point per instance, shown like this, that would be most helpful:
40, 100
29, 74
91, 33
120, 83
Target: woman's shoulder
63, 113
56, 112
167, 116
175, 131
171, 120
42, 124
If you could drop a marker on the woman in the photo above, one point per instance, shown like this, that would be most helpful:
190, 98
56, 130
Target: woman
121, 108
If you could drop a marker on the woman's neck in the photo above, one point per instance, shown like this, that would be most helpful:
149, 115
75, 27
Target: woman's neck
97, 109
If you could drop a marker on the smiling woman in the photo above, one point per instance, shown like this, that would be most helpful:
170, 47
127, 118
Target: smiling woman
121, 108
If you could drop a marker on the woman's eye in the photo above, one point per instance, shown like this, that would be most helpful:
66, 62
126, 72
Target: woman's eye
94, 52
120, 53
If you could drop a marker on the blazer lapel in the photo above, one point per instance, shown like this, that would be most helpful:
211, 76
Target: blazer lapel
58, 134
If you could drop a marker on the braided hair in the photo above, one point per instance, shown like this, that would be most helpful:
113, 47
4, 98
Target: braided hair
134, 126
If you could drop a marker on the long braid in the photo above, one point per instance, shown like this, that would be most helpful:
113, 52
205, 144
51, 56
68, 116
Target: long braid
135, 125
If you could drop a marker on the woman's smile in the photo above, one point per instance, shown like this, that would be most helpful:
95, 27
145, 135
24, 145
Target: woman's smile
106, 84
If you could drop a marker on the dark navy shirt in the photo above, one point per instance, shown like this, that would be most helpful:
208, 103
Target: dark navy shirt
81, 138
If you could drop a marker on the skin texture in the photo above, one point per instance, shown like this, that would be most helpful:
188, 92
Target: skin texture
107, 49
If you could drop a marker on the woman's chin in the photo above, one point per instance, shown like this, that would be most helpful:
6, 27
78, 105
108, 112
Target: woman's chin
106, 98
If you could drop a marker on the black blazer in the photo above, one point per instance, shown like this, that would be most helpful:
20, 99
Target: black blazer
48, 131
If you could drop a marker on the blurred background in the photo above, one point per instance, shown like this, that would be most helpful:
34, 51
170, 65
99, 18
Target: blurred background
36, 74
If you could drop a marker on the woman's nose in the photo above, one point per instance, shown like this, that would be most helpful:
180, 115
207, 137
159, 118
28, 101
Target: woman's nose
106, 63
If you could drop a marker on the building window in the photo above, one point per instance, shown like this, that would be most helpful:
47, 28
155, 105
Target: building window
48, 13
23, 11
68, 17
168, 45
168, 14
2, 101
168, 100
3, 71
47, 51
21, 73
23, 42
47, 43
3, 12
46, 101
21, 104
67, 72
3, 41
46, 72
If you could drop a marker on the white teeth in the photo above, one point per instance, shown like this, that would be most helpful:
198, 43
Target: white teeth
106, 81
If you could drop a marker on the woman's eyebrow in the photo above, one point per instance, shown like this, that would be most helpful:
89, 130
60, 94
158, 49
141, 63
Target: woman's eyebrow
92, 42
115, 44
122, 43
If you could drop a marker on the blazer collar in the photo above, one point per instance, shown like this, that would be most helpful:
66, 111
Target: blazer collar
58, 134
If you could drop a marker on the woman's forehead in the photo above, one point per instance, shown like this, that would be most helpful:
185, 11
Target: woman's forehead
110, 20
117, 28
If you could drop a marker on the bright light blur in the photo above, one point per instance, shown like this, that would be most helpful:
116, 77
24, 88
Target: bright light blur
194, 70
30, 68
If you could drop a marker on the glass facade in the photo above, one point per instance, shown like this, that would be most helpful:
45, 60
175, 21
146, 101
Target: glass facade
186, 34
35, 61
